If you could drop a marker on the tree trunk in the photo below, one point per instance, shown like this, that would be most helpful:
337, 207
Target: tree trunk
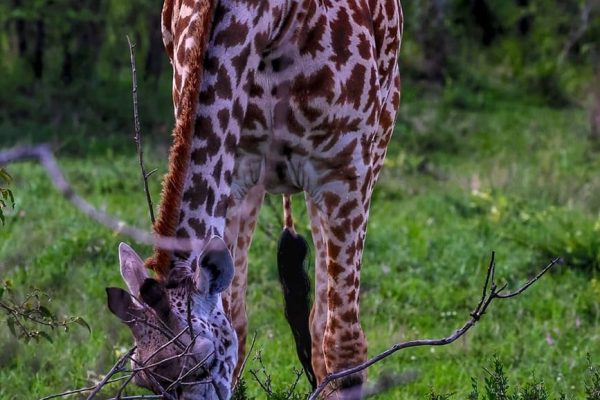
38, 52
526, 20
21, 33
432, 38
595, 110
156, 52
486, 20
66, 72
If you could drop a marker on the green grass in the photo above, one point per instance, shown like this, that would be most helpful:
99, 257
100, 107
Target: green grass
466, 174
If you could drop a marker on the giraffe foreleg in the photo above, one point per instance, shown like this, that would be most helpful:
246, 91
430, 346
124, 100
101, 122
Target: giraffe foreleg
241, 220
318, 314
344, 220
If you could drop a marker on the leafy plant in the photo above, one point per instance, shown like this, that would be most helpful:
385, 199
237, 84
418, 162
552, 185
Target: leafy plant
592, 384
30, 318
496, 383
568, 233
497, 386
438, 396
6, 196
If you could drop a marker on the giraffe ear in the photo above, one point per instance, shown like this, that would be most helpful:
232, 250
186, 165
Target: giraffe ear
120, 303
133, 271
214, 272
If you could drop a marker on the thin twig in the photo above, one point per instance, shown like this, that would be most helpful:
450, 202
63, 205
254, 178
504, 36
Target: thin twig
293, 386
266, 385
82, 390
138, 135
241, 372
199, 364
494, 293
118, 367
531, 281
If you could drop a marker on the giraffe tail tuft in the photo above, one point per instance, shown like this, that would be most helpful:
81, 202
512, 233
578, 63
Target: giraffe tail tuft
291, 263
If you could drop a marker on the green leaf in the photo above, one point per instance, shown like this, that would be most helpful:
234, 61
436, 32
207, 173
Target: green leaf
45, 312
12, 198
82, 322
45, 336
5, 176
11, 326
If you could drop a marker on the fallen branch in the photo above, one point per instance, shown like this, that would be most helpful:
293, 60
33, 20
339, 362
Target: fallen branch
43, 154
487, 297
138, 136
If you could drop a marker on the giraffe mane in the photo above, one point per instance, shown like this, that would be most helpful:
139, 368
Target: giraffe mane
183, 132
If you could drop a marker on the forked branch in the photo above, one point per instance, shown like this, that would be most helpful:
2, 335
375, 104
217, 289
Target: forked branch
490, 292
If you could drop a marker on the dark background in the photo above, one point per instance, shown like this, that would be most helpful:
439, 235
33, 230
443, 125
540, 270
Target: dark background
64, 64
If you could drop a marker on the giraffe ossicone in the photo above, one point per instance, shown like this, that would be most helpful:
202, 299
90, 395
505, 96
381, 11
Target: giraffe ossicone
281, 97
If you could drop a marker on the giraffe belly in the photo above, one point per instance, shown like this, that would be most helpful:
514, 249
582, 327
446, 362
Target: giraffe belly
313, 112
275, 173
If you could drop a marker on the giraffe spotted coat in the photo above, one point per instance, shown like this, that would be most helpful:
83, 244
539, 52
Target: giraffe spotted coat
282, 96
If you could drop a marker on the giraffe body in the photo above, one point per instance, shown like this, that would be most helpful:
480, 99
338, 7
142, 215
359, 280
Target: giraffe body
287, 96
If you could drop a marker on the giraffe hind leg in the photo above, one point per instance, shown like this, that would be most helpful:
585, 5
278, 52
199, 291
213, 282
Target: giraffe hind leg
291, 263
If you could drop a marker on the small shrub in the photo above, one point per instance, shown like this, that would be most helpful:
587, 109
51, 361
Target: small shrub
592, 383
496, 383
497, 386
6, 195
438, 396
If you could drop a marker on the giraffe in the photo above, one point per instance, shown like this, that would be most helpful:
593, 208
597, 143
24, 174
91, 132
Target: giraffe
280, 97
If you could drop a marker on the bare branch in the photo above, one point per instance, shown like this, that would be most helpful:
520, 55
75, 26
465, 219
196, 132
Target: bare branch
146, 368
82, 390
240, 374
44, 156
118, 367
266, 384
292, 388
138, 134
488, 297
585, 10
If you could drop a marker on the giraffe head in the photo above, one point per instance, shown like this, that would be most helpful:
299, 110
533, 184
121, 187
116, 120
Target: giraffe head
196, 365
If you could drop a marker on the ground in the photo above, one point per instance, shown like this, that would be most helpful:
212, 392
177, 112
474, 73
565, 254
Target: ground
466, 174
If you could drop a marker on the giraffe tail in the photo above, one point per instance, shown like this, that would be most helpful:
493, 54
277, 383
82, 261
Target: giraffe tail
291, 263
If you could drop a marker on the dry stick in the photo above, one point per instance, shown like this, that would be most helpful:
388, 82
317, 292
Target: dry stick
44, 156
199, 364
86, 389
118, 367
239, 377
138, 136
581, 28
293, 386
154, 385
487, 298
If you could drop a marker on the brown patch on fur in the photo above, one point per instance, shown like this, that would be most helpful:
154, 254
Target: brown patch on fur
183, 132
